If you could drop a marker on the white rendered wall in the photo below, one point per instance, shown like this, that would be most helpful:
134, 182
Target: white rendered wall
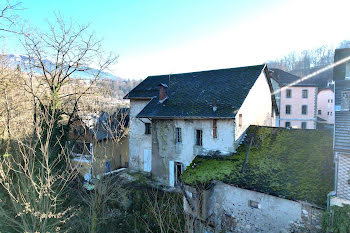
187, 150
138, 140
256, 108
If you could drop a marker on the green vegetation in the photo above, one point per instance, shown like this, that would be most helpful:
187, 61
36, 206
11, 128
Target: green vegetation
294, 164
337, 219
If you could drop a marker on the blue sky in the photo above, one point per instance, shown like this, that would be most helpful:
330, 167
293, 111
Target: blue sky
157, 37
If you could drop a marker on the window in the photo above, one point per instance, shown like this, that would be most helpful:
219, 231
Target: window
330, 113
305, 94
331, 100
303, 125
287, 125
214, 129
199, 134
108, 166
289, 93
147, 128
240, 120
288, 109
178, 135
319, 112
82, 148
79, 131
254, 204
347, 71
304, 109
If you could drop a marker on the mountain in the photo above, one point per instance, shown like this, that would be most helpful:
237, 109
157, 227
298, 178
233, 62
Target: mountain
21, 61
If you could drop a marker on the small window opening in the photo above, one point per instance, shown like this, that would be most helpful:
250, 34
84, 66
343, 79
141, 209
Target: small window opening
305, 94
304, 109
147, 128
288, 109
199, 137
303, 125
287, 125
214, 129
240, 120
254, 204
289, 93
319, 112
178, 135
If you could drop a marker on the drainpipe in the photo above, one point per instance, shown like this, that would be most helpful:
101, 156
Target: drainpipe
334, 193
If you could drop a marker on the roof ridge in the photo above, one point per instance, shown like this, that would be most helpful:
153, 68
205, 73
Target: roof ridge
203, 71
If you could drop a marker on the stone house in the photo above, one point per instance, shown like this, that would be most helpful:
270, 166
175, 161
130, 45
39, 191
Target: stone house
342, 128
100, 144
268, 185
297, 100
175, 117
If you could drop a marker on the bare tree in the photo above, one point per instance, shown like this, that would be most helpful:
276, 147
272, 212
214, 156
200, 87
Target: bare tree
8, 15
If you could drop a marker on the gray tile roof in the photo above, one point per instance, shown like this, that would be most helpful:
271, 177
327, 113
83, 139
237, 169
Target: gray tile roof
191, 95
284, 78
110, 126
342, 131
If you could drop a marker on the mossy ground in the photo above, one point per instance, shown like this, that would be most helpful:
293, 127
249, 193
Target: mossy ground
294, 164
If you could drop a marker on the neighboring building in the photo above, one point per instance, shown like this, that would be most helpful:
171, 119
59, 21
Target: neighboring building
342, 128
297, 100
175, 117
325, 106
276, 182
101, 144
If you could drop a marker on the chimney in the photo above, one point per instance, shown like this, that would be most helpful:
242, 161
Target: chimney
163, 92
214, 106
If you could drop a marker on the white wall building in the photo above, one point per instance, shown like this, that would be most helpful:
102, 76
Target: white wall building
174, 118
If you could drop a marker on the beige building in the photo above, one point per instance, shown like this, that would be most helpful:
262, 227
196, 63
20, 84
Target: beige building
101, 145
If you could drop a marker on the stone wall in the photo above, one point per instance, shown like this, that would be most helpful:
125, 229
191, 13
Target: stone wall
343, 181
230, 209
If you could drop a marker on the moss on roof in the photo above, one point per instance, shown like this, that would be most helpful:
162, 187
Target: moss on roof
295, 164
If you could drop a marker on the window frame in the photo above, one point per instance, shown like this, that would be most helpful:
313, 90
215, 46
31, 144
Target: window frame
319, 112
289, 123
304, 123
178, 132
148, 128
199, 137
290, 109
289, 93
304, 94
215, 128
302, 109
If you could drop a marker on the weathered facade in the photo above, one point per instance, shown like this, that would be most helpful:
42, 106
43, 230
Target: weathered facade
268, 185
95, 150
226, 208
342, 127
172, 123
